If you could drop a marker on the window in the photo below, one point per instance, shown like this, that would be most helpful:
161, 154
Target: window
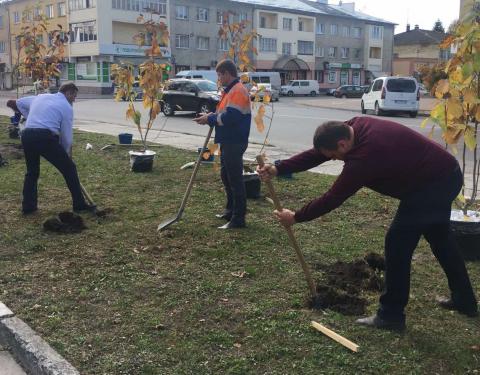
16, 17
242, 17
344, 52
319, 51
159, 6
83, 32
182, 41
332, 51
203, 43
305, 47
268, 44
356, 32
320, 28
332, 76
1, 22
202, 14
36, 12
356, 77
2, 46
27, 14
375, 53
220, 17
444, 54
356, 53
345, 31
263, 22
377, 86
301, 26
333, 29
61, 10
319, 76
87, 70
287, 24
286, 49
49, 11
39, 39
344, 77
222, 44
181, 12
83, 4
377, 32
401, 85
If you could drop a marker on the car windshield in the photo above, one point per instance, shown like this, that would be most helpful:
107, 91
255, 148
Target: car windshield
401, 85
290, 83
207, 86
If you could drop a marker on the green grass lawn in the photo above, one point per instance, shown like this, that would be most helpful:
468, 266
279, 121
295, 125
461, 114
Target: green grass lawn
120, 298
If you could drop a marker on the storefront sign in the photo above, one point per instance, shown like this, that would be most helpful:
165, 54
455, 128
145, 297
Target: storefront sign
130, 50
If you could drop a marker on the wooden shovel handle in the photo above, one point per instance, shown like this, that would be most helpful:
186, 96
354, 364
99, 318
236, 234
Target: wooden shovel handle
291, 236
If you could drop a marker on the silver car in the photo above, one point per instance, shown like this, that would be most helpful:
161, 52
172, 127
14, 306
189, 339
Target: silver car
264, 88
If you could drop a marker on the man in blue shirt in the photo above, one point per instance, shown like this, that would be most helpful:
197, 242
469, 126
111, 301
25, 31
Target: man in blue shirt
49, 133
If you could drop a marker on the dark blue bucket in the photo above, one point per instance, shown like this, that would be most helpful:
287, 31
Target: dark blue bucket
210, 158
15, 119
125, 138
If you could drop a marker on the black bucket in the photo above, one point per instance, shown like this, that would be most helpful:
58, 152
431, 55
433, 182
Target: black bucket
467, 237
252, 185
141, 162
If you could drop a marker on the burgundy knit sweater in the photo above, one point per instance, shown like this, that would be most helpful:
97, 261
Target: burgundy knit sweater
386, 157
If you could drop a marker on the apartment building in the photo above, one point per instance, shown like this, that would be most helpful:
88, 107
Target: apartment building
5, 51
350, 47
195, 42
415, 48
102, 34
21, 13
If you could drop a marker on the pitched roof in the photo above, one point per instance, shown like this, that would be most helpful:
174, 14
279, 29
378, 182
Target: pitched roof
418, 36
283, 4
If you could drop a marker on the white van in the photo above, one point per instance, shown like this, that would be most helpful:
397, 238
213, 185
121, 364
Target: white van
301, 87
211, 75
399, 94
272, 78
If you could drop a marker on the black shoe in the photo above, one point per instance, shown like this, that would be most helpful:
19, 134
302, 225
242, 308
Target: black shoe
447, 303
377, 322
233, 224
29, 211
225, 216
85, 208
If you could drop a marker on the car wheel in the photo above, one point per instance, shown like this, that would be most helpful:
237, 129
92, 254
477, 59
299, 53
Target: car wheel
344, 96
204, 108
168, 109
378, 111
364, 111
313, 93
290, 93
413, 114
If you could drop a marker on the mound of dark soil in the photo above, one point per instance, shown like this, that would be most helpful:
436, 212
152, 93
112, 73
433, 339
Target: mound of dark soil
65, 222
346, 281
11, 151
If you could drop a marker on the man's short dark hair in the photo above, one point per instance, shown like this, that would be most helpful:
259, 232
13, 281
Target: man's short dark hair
329, 133
68, 88
227, 66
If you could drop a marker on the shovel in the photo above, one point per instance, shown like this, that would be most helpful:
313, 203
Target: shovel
179, 214
291, 237
88, 198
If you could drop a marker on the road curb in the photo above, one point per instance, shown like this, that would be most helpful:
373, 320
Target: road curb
29, 349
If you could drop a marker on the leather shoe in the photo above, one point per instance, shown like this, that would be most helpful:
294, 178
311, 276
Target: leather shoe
85, 208
233, 224
377, 322
447, 303
225, 216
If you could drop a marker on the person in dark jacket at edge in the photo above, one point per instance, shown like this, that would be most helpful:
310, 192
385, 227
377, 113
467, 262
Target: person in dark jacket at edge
393, 160
232, 128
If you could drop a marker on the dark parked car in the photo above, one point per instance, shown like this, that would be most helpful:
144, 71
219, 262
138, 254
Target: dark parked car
349, 91
193, 95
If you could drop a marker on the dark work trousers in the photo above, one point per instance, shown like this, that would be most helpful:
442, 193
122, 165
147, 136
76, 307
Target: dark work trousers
424, 212
231, 171
42, 142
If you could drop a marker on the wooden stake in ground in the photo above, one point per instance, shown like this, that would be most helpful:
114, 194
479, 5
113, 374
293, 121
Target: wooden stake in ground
291, 236
335, 336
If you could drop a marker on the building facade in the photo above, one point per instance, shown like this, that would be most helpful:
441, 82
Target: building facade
415, 48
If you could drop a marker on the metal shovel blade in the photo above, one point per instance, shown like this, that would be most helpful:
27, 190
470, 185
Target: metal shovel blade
167, 223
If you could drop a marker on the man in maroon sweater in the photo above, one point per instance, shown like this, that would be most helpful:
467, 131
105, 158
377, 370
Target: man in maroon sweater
393, 160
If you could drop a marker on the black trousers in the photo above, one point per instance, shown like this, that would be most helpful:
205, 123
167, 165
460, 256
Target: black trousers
231, 171
42, 142
424, 212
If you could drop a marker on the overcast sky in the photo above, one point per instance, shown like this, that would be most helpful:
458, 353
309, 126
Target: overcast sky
418, 12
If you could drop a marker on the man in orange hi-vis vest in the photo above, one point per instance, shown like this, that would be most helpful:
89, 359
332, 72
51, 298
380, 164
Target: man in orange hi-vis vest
232, 128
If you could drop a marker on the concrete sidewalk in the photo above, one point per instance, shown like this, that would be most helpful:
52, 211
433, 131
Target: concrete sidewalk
12, 94
353, 104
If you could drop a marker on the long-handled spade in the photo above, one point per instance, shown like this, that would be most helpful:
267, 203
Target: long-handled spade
88, 198
293, 240
179, 214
